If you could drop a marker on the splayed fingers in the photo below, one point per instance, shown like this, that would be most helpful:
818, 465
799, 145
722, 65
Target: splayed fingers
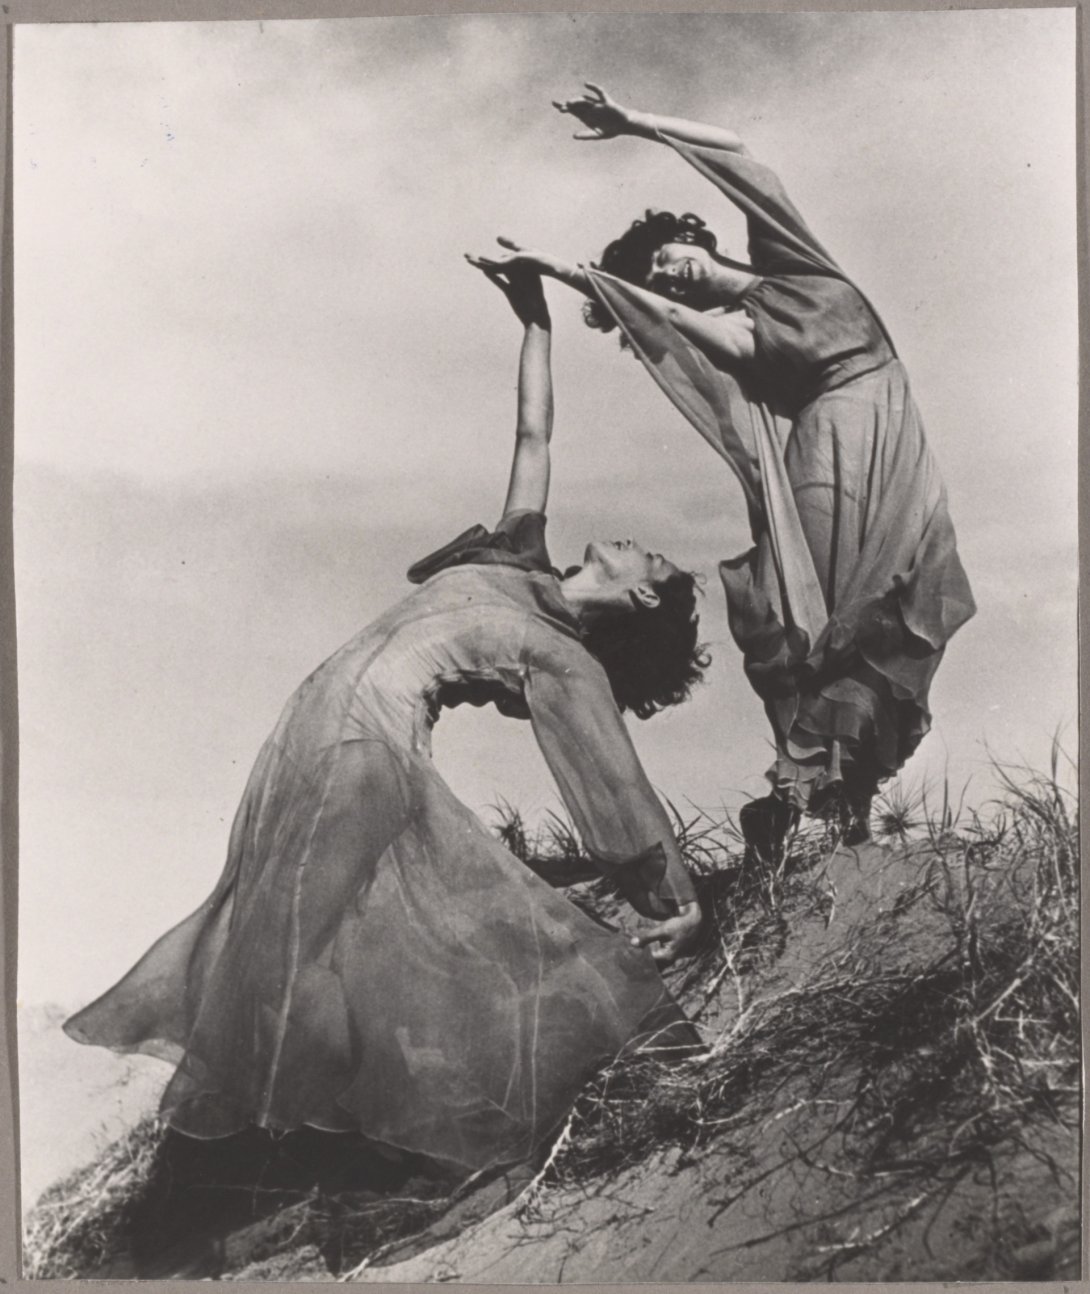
602, 116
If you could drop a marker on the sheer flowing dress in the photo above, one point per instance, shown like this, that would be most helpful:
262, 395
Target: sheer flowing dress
843, 607
373, 959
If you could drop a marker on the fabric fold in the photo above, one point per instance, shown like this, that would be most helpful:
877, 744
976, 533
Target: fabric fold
843, 606
373, 959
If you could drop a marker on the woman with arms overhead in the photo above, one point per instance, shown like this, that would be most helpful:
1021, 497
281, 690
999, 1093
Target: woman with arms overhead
844, 605
373, 959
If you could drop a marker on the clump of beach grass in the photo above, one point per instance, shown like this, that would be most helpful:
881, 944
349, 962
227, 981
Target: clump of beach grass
77, 1225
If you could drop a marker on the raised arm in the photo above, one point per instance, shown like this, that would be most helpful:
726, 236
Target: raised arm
779, 239
604, 118
528, 484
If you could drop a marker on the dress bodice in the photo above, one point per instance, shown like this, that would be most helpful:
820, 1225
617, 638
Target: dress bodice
812, 333
814, 330
469, 634
497, 632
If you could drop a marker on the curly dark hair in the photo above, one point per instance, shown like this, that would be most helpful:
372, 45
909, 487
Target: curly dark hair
651, 655
629, 257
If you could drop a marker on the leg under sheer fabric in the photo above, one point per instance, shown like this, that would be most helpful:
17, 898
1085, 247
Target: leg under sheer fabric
850, 464
376, 961
834, 460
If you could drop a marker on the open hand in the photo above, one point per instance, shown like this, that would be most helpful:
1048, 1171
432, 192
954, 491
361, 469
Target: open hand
514, 258
675, 937
603, 117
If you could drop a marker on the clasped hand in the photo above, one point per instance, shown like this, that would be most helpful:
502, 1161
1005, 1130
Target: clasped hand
672, 938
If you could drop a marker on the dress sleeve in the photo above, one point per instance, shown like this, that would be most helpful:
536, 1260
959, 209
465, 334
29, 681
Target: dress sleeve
780, 241
518, 540
525, 534
590, 753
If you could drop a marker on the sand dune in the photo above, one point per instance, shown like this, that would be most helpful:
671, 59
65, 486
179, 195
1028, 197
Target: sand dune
890, 1093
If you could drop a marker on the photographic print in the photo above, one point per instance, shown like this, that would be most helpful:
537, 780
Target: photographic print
546, 570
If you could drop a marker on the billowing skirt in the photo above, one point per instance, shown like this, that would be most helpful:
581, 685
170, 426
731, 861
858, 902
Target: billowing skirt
373, 960
848, 709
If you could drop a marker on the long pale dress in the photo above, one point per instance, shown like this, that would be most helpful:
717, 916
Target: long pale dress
843, 607
373, 959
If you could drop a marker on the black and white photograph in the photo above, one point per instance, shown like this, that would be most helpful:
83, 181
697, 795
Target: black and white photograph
546, 567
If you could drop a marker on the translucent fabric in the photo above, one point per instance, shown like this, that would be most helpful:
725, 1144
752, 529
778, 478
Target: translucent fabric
373, 959
843, 607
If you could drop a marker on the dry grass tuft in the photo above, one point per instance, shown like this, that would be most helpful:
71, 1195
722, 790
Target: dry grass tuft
75, 1227
158, 1204
936, 1037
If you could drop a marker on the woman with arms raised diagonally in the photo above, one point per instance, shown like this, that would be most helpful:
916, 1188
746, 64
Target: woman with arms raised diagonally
844, 605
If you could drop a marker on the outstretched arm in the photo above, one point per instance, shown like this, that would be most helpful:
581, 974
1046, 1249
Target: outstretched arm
528, 486
516, 259
725, 336
779, 239
604, 118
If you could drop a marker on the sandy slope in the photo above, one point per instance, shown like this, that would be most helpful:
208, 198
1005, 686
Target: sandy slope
779, 1196
777, 1192
713, 1221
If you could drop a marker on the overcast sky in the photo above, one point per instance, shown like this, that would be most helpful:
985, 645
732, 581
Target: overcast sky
255, 379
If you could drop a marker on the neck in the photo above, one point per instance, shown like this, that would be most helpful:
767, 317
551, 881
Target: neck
585, 597
730, 280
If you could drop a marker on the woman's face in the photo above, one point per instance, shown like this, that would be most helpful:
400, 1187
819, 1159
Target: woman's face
683, 271
624, 565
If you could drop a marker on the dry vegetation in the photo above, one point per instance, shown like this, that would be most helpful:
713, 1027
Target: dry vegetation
938, 1038
905, 1034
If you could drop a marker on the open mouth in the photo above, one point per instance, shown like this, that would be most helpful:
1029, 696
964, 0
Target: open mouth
683, 279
